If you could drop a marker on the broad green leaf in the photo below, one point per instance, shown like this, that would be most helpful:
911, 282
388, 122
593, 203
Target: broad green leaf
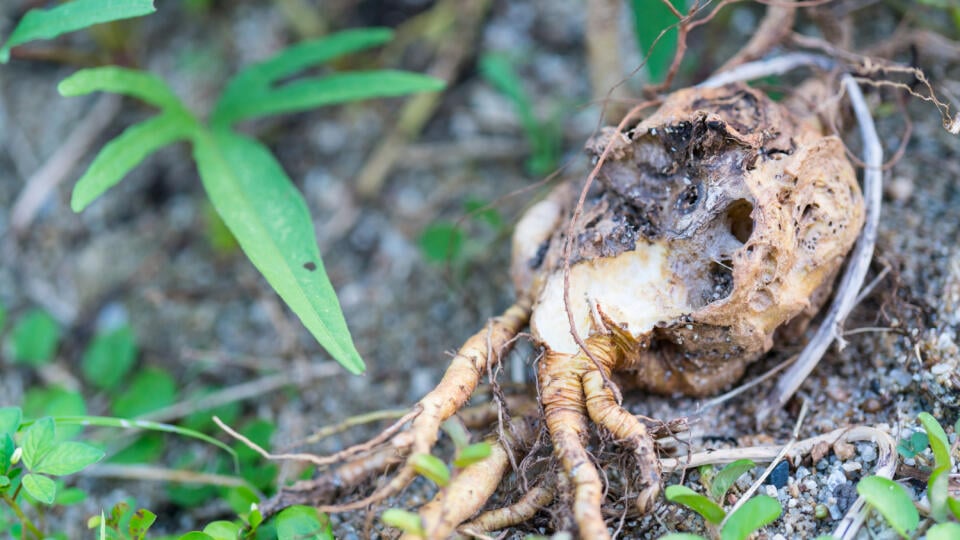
649, 20
109, 357
127, 151
408, 522
938, 440
40, 487
754, 514
223, 530
196, 535
441, 242
304, 94
700, 504
727, 476
10, 418
431, 468
71, 16
937, 493
270, 220
7, 448
151, 389
944, 531
34, 338
38, 440
892, 501
128, 82
67, 458
473, 453
303, 522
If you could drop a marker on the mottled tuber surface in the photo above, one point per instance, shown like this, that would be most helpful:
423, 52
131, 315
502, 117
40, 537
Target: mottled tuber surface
714, 226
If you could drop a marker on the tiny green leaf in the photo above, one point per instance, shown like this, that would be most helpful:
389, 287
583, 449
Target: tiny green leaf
128, 82
938, 440
153, 388
223, 530
441, 242
944, 531
40, 487
127, 151
4, 482
432, 468
913, 445
700, 504
754, 514
34, 338
67, 458
69, 17
270, 220
10, 418
408, 522
473, 453
892, 501
38, 440
303, 522
937, 493
727, 476
109, 357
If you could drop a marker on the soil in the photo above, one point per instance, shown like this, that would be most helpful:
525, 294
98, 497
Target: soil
143, 253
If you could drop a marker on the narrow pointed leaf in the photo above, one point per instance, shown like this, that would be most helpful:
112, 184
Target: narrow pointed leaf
954, 506
40, 487
754, 514
69, 457
727, 476
892, 501
125, 152
128, 82
272, 224
38, 441
700, 504
938, 492
309, 93
71, 16
938, 440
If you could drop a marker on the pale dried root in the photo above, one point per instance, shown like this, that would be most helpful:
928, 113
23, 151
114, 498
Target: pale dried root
458, 383
509, 516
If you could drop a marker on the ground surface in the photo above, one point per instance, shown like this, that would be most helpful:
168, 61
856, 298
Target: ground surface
142, 254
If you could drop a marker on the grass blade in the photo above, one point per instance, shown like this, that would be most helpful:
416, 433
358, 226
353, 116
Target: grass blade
128, 82
938, 440
307, 94
125, 152
270, 220
892, 501
754, 514
727, 476
69, 17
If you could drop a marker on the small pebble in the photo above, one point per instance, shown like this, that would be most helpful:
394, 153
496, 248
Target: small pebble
820, 511
779, 476
851, 467
871, 405
843, 450
771, 491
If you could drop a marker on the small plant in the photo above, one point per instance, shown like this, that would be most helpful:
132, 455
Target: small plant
460, 244
34, 338
750, 517
895, 504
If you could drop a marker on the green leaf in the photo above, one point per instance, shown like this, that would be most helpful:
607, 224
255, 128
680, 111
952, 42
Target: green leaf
937, 493
431, 467
303, 522
70, 496
109, 357
140, 523
151, 389
128, 82
305, 94
7, 448
127, 151
3, 316
441, 242
944, 531
71, 16
40, 487
938, 440
270, 220
916, 443
700, 504
55, 402
727, 476
10, 418
68, 458
196, 535
754, 514
471, 454
954, 506
649, 19
34, 338
408, 522
38, 440
682, 536
892, 501
223, 530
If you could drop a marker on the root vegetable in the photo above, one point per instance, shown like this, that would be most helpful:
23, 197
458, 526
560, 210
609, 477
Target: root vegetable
716, 226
